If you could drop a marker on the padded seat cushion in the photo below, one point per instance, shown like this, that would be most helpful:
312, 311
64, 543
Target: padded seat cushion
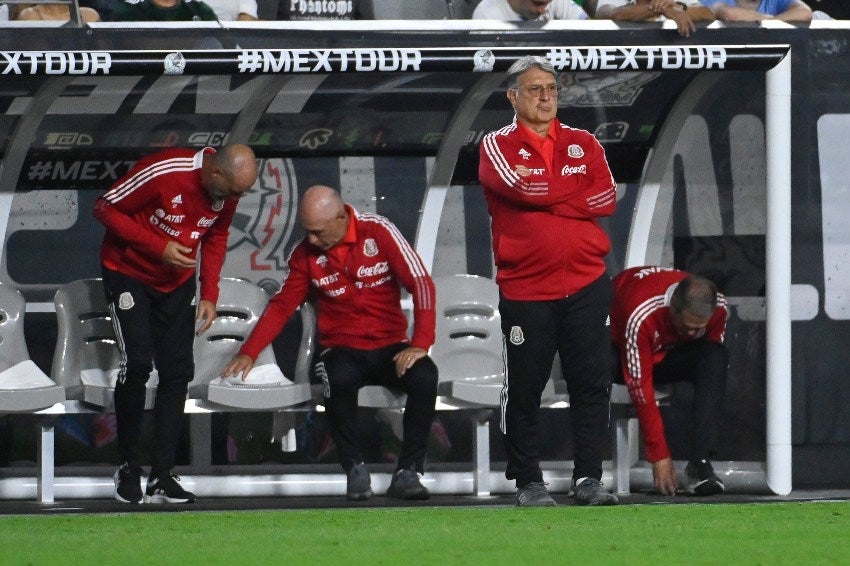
24, 375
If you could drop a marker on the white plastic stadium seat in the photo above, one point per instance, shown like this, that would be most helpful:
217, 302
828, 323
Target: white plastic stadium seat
468, 345
86, 358
240, 305
23, 386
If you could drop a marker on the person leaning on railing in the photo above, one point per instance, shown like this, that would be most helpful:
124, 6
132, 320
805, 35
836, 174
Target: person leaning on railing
685, 13
756, 10
53, 12
528, 10
163, 11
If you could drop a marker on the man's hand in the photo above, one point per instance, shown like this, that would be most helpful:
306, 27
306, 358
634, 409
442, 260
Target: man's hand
664, 474
735, 14
240, 364
207, 314
406, 358
670, 10
177, 255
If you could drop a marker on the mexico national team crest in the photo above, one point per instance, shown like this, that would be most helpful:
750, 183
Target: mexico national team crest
575, 151
370, 248
125, 301
174, 64
517, 337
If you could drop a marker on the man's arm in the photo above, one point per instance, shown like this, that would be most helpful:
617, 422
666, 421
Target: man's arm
639, 12
292, 293
797, 12
592, 194
495, 173
115, 209
647, 10
213, 251
637, 365
411, 272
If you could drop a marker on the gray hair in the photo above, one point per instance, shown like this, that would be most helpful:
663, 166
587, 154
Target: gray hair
695, 294
527, 62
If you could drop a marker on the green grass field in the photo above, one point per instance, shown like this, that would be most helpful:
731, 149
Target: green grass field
731, 534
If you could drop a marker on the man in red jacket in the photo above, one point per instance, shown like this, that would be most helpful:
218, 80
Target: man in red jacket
546, 184
353, 265
170, 208
667, 326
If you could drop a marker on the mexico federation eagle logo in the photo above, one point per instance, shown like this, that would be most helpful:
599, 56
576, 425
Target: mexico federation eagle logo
175, 63
517, 337
370, 248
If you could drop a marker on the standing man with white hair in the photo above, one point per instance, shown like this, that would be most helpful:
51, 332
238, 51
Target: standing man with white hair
546, 185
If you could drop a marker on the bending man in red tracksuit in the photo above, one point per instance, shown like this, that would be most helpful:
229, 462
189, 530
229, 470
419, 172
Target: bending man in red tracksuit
353, 265
668, 325
158, 216
546, 184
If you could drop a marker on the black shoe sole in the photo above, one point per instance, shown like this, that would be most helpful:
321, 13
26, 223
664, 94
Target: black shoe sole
122, 500
359, 496
605, 503
160, 499
706, 488
412, 496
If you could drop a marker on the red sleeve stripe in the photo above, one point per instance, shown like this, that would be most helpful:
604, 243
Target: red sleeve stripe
602, 199
422, 297
494, 152
633, 324
141, 177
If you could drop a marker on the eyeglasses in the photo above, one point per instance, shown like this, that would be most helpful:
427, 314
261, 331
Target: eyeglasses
536, 91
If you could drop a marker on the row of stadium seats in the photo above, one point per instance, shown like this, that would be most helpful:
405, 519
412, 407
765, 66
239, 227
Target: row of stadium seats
468, 352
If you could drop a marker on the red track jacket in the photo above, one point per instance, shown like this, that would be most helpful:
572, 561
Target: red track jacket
642, 330
357, 288
160, 199
546, 239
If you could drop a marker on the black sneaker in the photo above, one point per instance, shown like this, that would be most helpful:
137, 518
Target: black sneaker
359, 483
128, 484
406, 485
167, 489
702, 480
589, 491
534, 494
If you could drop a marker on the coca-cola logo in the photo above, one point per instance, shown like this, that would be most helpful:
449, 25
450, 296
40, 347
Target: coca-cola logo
371, 271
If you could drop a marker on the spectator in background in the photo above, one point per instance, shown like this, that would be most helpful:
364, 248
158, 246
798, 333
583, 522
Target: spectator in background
546, 187
353, 266
588, 6
234, 10
685, 13
528, 10
55, 12
306, 10
666, 326
756, 10
830, 9
162, 11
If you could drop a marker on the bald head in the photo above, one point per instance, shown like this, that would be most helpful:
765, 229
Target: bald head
323, 216
696, 295
692, 305
230, 171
